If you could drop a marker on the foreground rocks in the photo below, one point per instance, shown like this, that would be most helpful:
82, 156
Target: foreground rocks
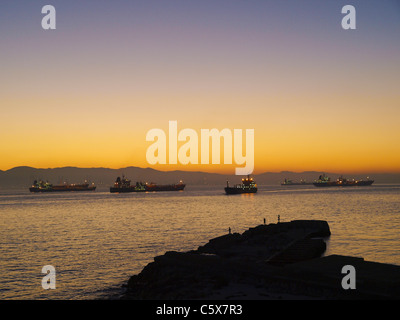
274, 261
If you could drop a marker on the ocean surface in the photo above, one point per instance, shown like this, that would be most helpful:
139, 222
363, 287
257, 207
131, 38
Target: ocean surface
97, 240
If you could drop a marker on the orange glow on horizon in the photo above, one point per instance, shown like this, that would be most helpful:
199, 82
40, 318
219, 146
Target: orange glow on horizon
308, 139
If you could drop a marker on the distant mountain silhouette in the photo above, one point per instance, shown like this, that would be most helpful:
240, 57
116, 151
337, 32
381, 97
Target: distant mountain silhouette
22, 177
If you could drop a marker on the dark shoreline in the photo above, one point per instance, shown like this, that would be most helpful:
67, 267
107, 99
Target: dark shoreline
268, 262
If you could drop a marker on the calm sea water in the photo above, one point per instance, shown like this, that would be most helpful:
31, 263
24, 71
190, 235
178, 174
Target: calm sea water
97, 240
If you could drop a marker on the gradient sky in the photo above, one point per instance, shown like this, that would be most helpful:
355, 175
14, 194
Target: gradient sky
318, 97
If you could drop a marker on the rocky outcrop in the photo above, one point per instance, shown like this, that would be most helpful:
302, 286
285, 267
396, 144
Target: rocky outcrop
267, 241
275, 261
247, 259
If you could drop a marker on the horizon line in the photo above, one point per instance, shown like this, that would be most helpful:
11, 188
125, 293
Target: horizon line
189, 171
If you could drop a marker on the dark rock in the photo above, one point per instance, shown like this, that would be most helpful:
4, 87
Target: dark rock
232, 258
266, 262
300, 250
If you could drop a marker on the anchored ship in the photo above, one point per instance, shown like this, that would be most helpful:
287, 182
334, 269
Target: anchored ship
302, 182
324, 181
248, 185
165, 187
124, 185
40, 186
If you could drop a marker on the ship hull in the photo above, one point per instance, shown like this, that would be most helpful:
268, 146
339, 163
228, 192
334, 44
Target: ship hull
125, 190
149, 188
232, 190
66, 189
171, 187
344, 184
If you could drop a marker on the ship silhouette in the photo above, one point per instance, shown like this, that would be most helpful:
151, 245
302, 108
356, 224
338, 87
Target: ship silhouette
324, 181
41, 186
123, 185
248, 185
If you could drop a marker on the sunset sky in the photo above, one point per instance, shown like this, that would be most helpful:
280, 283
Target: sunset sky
318, 97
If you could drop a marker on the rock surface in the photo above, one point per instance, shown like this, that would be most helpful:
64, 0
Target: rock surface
272, 261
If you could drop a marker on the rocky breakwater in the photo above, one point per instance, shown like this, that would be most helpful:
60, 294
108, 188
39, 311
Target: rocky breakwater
234, 265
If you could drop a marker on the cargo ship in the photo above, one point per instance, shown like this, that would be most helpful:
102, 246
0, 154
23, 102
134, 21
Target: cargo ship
302, 182
124, 185
48, 187
324, 181
165, 187
248, 185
